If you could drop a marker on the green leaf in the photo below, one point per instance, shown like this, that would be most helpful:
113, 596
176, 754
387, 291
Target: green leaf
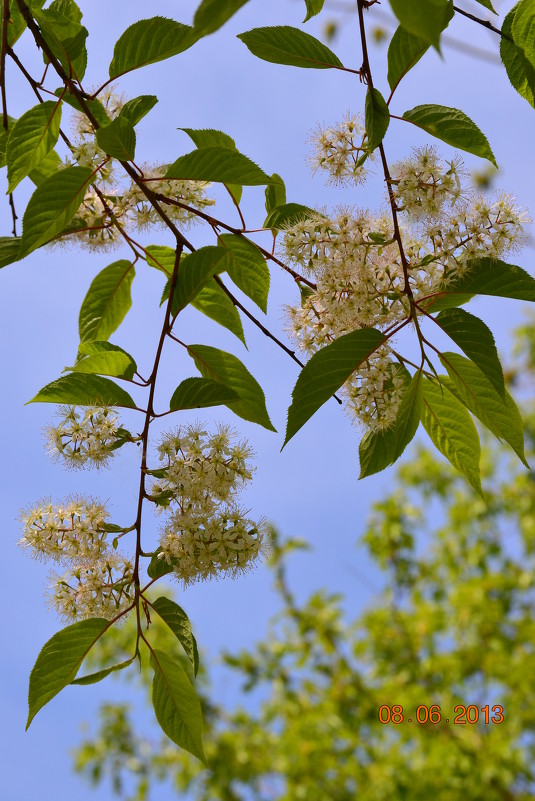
118, 139
476, 340
134, 110
60, 660
17, 23
178, 621
107, 301
487, 4
313, 8
230, 371
95, 106
326, 371
377, 118
104, 359
195, 272
499, 414
84, 390
47, 167
53, 205
4, 136
283, 44
177, 707
519, 70
452, 430
209, 137
158, 567
523, 29
289, 214
148, 41
162, 257
200, 393
408, 416
30, 139
424, 18
65, 36
275, 193
453, 127
213, 301
404, 51
218, 164
93, 678
247, 268
435, 303
67, 8
9, 250
377, 451
212, 14
493, 277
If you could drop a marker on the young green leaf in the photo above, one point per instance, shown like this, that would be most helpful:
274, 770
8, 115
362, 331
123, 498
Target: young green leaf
214, 302
313, 8
499, 414
326, 371
134, 110
30, 139
148, 41
523, 29
519, 70
104, 358
247, 268
230, 371
4, 136
47, 167
453, 127
17, 23
95, 106
53, 205
162, 257
408, 416
275, 193
476, 340
377, 117
59, 661
107, 301
212, 15
209, 137
289, 214
9, 250
200, 393
424, 18
404, 51
66, 38
178, 621
118, 139
196, 271
93, 678
452, 430
176, 704
283, 44
218, 164
493, 277
84, 390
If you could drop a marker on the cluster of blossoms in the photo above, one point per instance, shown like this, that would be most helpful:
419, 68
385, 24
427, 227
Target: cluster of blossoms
342, 151
206, 533
354, 258
93, 226
84, 435
98, 583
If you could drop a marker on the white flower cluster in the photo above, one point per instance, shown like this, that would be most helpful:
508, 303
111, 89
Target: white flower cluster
74, 533
83, 435
93, 226
355, 261
342, 151
206, 533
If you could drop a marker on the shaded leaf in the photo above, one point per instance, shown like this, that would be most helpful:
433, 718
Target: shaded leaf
177, 707
424, 18
134, 110
523, 29
95, 106
212, 14
158, 567
17, 23
492, 277
313, 8
283, 44
107, 301
326, 371
377, 118
247, 268
148, 41
519, 70
275, 193
84, 390
404, 51
59, 661
93, 678
30, 139
230, 371
196, 270
53, 205
118, 139
452, 430
216, 304
178, 621
453, 127
9, 250
200, 393
476, 340
289, 214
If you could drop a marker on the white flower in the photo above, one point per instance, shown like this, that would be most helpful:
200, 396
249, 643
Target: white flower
83, 435
341, 151
423, 184
103, 588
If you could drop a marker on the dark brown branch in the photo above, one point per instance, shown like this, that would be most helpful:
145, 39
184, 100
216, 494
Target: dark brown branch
484, 22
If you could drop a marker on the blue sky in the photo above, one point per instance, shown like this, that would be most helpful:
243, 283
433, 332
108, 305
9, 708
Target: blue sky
309, 490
